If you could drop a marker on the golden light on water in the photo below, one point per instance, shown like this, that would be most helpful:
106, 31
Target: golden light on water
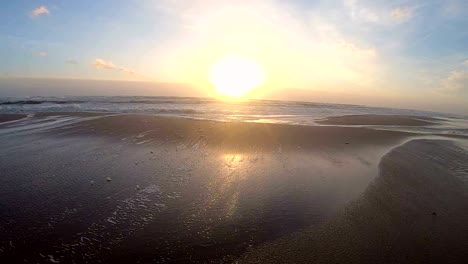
235, 76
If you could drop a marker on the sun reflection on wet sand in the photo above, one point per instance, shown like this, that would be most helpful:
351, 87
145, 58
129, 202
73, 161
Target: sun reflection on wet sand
233, 168
232, 205
241, 179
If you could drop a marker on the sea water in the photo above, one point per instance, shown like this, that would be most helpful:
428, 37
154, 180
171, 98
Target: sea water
271, 111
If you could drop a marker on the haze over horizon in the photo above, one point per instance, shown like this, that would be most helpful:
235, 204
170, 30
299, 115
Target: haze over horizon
406, 54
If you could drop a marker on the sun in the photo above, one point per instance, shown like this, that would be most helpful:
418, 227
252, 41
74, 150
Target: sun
234, 76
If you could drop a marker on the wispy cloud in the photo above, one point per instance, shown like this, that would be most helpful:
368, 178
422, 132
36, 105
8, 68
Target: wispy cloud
351, 48
71, 61
379, 15
40, 11
456, 83
454, 8
361, 12
401, 14
108, 65
102, 64
127, 70
292, 44
42, 54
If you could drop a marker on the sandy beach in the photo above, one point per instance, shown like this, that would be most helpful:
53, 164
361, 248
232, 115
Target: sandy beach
10, 117
388, 120
414, 212
127, 188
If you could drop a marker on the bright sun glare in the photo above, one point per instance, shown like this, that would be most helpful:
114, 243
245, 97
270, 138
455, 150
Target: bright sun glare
234, 76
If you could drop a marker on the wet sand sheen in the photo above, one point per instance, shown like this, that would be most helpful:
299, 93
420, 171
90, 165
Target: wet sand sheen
388, 120
180, 190
10, 117
415, 212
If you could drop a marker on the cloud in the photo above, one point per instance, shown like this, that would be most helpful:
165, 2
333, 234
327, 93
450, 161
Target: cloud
351, 48
296, 47
71, 61
465, 63
127, 70
361, 12
40, 11
377, 13
456, 83
454, 8
401, 14
42, 54
103, 64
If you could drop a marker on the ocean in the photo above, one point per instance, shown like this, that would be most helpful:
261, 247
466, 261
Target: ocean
261, 111
268, 111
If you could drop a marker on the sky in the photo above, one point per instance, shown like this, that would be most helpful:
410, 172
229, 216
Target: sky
408, 54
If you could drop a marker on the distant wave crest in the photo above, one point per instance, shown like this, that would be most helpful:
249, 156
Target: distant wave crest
112, 100
36, 102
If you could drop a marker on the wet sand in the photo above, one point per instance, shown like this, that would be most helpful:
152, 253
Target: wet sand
10, 117
233, 135
386, 120
415, 212
128, 188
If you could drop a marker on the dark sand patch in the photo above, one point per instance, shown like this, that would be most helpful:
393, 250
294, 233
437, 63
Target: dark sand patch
10, 117
415, 212
384, 120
